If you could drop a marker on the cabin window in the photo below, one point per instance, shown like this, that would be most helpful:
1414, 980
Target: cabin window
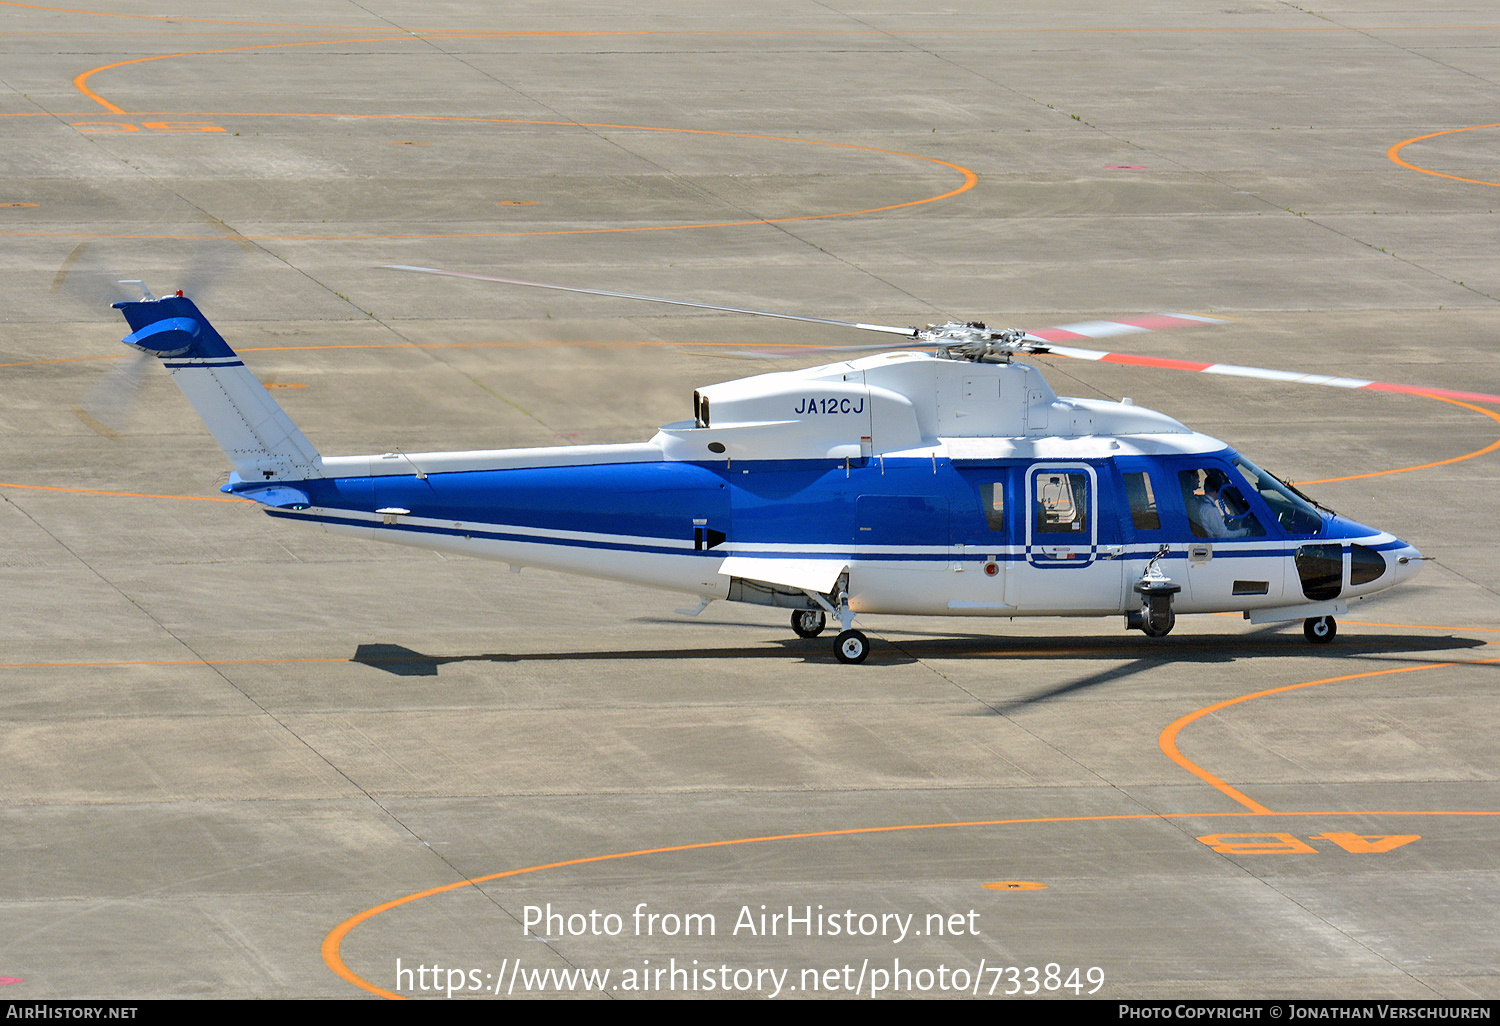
1216, 507
1143, 511
1061, 502
992, 498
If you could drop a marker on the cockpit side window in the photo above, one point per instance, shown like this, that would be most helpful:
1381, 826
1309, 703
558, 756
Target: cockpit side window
1295, 514
1216, 507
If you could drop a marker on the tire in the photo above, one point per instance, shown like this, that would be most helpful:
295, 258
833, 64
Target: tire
1320, 630
809, 623
852, 647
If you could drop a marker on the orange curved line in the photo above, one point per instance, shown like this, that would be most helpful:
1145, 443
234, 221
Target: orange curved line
971, 179
93, 491
809, 32
80, 81
1394, 154
1424, 466
333, 941
1168, 739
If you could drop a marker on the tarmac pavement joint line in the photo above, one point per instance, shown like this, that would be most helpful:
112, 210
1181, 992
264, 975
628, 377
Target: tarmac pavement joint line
335, 939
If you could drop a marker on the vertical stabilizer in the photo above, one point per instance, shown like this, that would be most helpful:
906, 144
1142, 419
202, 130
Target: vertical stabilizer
258, 437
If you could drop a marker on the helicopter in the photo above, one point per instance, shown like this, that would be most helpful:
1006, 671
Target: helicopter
938, 476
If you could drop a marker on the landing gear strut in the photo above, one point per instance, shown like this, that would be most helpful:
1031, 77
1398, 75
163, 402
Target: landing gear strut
851, 645
809, 623
1320, 630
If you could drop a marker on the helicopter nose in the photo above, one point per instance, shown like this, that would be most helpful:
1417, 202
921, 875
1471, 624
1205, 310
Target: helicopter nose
1406, 562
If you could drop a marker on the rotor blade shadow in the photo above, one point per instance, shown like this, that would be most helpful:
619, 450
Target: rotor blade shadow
1186, 651
1082, 684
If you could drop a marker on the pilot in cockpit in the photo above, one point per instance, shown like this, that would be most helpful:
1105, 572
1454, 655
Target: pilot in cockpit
1219, 510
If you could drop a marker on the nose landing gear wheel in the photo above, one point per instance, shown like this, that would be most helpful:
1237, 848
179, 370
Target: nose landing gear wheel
809, 623
1320, 630
852, 647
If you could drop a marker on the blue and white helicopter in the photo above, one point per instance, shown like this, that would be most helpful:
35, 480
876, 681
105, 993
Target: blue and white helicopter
942, 479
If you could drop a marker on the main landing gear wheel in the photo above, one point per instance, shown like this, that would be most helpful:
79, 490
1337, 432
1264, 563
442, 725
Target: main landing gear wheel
809, 623
1320, 630
853, 646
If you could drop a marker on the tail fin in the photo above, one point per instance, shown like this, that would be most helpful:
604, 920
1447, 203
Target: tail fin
257, 436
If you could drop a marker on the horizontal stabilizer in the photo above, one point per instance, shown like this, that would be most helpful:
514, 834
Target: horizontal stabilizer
276, 496
814, 575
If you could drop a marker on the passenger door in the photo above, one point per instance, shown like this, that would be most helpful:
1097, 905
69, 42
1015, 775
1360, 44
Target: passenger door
1065, 569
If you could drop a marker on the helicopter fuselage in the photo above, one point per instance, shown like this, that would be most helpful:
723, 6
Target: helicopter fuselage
899, 483
1040, 522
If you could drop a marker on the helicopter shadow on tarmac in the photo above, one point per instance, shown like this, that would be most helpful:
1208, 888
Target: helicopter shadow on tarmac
1143, 653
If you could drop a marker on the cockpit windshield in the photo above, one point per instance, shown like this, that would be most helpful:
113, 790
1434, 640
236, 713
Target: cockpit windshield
1295, 514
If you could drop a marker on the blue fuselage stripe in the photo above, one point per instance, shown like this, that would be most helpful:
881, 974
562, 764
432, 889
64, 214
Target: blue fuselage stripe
906, 510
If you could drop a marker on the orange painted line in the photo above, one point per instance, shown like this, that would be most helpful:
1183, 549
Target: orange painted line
1168, 739
185, 662
1425, 466
65, 359
80, 81
112, 33
332, 943
541, 343
971, 179
122, 495
1404, 626
1411, 626
1394, 154
791, 32
196, 21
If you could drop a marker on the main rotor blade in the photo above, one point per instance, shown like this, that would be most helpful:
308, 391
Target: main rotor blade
888, 329
1263, 373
